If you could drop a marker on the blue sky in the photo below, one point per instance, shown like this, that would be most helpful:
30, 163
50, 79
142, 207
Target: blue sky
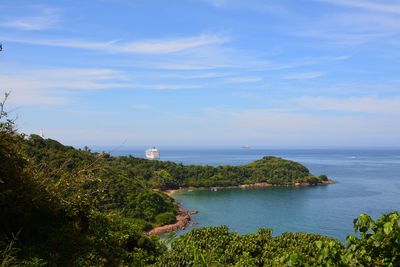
316, 73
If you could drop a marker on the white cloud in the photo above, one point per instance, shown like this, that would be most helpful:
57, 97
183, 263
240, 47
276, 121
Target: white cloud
304, 75
51, 86
178, 66
169, 86
230, 126
275, 127
202, 75
68, 79
251, 5
222, 59
206, 58
360, 23
376, 6
142, 107
20, 97
44, 19
171, 45
161, 46
294, 128
367, 104
54, 86
243, 79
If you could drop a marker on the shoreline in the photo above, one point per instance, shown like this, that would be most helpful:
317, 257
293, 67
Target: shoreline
183, 218
171, 192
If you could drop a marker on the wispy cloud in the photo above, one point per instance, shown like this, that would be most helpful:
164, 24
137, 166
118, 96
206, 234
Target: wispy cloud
67, 79
21, 97
168, 86
251, 5
53, 86
44, 18
171, 45
301, 62
211, 58
82, 79
356, 22
353, 29
376, 6
160, 46
342, 38
199, 75
243, 79
304, 75
141, 107
366, 104
278, 126
56, 86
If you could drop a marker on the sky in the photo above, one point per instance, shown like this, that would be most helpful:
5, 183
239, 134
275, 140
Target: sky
315, 73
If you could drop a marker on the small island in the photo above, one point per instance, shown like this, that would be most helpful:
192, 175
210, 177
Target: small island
267, 171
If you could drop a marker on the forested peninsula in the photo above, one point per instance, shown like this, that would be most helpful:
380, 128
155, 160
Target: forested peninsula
61, 206
268, 170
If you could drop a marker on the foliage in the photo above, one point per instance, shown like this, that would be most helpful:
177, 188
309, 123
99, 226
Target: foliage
219, 247
108, 183
277, 171
59, 206
165, 218
8, 252
378, 245
170, 175
148, 205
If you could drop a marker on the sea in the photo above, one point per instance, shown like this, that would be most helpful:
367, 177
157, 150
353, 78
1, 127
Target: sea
367, 181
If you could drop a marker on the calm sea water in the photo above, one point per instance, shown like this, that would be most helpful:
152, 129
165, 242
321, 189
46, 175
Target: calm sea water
368, 181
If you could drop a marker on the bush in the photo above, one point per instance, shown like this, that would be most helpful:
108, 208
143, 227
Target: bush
165, 218
379, 242
323, 177
142, 224
378, 245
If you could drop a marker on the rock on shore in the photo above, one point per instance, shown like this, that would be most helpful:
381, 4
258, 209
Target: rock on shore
183, 220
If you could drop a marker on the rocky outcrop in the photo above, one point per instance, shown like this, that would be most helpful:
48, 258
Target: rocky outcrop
183, 220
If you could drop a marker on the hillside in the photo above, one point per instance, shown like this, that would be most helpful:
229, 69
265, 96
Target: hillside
66, 207
170, 175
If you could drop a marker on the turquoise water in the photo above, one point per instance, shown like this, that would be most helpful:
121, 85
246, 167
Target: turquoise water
368, 181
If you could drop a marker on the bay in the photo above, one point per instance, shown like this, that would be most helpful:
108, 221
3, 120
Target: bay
367, 181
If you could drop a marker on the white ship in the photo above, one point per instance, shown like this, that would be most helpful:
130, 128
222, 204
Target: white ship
152, 153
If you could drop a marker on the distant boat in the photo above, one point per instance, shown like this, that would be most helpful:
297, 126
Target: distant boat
152, 153
246, 147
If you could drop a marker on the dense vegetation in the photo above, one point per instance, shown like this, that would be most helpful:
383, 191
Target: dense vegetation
52, 155
378, 245
64, 207
114, 186
170, 175
60, 206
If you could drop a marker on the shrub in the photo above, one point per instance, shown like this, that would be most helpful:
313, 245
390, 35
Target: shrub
165, 218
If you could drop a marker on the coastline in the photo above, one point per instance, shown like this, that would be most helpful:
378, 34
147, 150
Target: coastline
171, 192
183, 218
